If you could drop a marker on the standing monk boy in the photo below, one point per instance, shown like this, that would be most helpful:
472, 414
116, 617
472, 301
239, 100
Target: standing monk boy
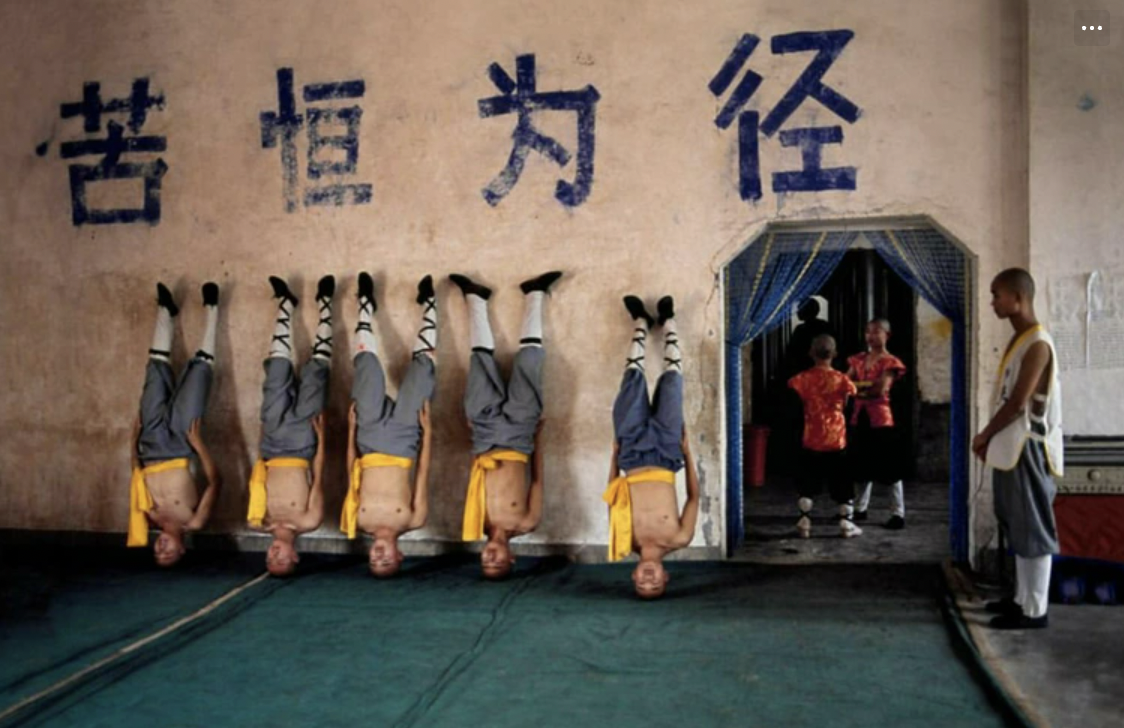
1022, 443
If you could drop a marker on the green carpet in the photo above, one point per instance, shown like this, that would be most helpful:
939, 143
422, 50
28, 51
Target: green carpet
557, 645
63, 609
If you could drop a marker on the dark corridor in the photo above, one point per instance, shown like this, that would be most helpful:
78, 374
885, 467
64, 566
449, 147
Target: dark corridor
861, 288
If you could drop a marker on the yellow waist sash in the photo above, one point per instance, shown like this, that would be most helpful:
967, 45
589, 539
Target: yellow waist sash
258, 496
349, 519
619, 497
140, 500
476, 502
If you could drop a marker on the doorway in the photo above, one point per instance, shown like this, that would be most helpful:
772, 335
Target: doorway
892, 269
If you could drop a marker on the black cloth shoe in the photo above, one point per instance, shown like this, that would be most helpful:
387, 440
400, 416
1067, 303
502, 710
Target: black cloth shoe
637, 311
281, 290
164, 298
665, 307
542, 283
425, 290
469, 286
896, 523
1005, 606
860, 516
210, 294
365, 290
1020, 621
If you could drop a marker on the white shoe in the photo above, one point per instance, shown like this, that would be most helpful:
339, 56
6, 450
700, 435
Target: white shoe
847, 529
804, 527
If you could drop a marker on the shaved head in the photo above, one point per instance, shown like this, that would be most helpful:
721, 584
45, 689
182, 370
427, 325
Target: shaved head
1016, 280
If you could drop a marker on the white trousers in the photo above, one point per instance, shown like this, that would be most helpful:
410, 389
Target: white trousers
897, 498
1032, 584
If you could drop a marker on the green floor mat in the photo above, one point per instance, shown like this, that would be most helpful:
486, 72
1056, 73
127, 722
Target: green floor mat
64, 609
558, 645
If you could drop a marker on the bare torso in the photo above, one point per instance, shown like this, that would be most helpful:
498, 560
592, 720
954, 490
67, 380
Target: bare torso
655, 513
287, 493
506, 492
174, 493
386, 499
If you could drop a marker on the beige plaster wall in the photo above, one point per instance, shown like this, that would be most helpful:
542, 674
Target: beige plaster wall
941, 134
934, 359
1076, 174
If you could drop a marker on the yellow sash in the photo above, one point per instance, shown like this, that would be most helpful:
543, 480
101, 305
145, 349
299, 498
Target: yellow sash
619, 497
476, 502
258, 496
349, 519
140, 500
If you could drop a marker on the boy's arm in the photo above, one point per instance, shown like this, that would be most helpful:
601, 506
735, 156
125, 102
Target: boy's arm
421, 476
352, 432
1034, 364
211, 492
534, 493
881, 385
690, 516
614, 469
135, 452
314, 513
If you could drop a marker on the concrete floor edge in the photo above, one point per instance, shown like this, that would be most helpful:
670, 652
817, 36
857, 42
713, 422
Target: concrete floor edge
964, 596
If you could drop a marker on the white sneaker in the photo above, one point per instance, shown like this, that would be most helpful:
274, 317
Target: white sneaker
847, 529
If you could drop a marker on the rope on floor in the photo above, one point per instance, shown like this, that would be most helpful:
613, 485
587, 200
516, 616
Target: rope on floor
129, 649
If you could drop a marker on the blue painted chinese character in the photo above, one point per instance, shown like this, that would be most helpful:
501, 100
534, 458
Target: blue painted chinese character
281, 127
91, 108
521, 96
813, 176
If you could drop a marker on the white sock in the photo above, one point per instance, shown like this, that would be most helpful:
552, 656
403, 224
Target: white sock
364, 333
427, 333
281, 345
479, 330
162, 337
207, 348
532, 319
636, 351
672, 359
323, 347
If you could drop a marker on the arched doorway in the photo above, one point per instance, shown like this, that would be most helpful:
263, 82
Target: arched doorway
788, 262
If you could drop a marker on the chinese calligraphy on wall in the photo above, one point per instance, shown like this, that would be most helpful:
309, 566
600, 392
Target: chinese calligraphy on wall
324, 118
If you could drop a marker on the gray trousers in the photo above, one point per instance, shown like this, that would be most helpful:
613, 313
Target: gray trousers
288, 406
649, 434
1024, 503
167, 408
385, 426
504, 415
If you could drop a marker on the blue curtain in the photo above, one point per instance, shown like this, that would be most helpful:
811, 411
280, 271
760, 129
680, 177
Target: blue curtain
939, 273
763, 284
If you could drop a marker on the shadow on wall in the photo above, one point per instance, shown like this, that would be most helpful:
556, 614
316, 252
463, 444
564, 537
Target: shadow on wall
230, 452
